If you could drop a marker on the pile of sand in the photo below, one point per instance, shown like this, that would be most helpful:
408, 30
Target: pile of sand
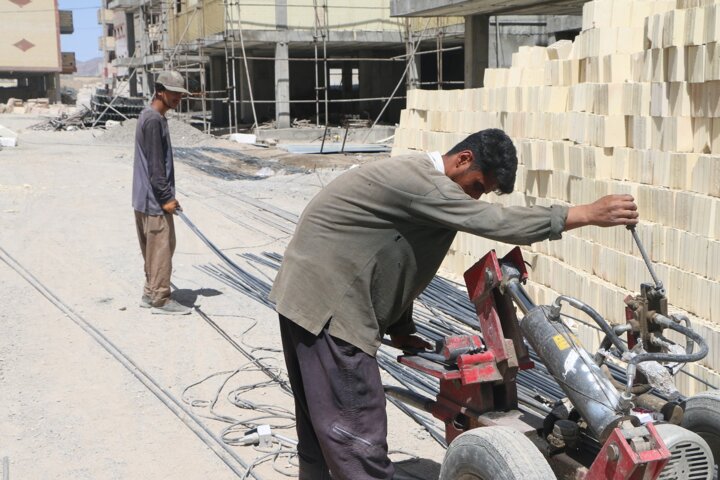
181, 134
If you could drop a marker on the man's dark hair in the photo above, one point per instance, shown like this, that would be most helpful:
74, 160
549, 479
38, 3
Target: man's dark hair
493, 153
159, 87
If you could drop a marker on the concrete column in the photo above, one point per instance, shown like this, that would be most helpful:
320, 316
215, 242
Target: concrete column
53, 91
130, 26
281, 14
413, 74
282, 85
218, 84
477, 35
347, 79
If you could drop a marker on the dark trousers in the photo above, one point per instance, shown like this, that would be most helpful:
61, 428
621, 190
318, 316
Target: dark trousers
339, 407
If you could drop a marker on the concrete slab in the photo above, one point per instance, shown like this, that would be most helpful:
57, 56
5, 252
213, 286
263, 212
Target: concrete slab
335, 148
428, 8
8, 138
315, 134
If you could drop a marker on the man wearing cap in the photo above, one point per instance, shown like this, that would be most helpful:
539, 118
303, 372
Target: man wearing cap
153, 195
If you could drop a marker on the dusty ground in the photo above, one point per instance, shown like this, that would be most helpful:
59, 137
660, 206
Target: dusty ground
69, 408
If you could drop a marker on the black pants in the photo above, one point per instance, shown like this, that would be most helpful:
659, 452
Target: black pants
339, 406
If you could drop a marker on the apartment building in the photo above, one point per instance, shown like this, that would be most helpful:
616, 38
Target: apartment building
31, 60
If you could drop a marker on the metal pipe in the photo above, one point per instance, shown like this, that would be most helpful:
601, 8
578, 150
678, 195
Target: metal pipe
519, 296
590, 392
342, 149
322, 145
646, 258
411, 398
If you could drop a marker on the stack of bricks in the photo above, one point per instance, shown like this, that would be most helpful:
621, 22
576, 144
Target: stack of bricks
631, 106
35, 106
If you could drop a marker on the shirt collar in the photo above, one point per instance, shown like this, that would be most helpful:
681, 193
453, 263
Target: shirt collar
437, 160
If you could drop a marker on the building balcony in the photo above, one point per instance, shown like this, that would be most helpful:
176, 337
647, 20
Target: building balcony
66, 22
108, 16
106, 43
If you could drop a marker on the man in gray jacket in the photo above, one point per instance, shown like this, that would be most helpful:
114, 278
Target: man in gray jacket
153, 194
365, 247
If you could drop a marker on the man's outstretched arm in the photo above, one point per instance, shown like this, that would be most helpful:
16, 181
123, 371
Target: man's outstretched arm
608, 211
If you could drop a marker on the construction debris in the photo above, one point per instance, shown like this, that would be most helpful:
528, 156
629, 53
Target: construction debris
80, 119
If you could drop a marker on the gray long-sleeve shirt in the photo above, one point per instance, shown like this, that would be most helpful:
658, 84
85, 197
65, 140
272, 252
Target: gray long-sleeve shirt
369, 243
153, 169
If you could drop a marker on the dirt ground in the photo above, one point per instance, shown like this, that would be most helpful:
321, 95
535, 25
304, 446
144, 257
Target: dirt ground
70, 409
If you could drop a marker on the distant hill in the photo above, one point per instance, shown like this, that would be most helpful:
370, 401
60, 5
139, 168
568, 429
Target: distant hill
89, 68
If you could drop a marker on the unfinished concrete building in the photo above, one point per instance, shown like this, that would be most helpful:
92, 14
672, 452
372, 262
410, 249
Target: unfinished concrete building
254, 62
31, 60
266, 60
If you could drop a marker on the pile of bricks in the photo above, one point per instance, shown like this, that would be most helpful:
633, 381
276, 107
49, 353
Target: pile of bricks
631, 106
35, 106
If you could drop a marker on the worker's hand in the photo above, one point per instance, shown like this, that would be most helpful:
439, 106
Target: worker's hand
404, 342
608, 211
171, 207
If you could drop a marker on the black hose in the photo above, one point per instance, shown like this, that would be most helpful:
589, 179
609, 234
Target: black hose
672, 357
592, 313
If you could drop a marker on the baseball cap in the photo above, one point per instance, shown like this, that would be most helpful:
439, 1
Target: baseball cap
172, 81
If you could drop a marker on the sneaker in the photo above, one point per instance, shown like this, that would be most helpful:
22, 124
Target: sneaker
171, 308
145, 302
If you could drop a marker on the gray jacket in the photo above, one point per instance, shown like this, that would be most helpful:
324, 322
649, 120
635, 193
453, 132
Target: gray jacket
153, 170
369, 243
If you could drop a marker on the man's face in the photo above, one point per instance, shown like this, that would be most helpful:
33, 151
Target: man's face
473, 182
172, 99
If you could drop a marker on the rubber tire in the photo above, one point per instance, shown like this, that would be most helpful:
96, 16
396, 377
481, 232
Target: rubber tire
494, 453
702, 416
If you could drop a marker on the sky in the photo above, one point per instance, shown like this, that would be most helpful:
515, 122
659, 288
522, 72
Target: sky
84, 42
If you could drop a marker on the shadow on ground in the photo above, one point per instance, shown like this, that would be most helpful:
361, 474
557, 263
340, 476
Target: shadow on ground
416, 469
187, 297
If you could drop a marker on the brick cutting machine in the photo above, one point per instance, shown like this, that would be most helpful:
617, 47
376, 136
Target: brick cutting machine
621, 417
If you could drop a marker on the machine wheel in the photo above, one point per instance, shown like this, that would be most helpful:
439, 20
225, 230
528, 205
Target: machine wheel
702, 416
494, 453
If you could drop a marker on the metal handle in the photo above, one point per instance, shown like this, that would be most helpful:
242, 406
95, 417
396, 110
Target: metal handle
646, 258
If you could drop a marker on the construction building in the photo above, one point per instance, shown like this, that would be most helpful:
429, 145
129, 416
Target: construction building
251, 62
31, 60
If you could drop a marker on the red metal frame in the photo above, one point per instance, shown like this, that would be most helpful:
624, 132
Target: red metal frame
479, 376
484, 380
618, 461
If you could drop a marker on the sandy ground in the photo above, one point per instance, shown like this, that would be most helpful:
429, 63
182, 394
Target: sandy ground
72, 410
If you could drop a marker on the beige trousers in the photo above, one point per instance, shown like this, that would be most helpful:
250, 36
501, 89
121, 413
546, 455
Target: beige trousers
156, 234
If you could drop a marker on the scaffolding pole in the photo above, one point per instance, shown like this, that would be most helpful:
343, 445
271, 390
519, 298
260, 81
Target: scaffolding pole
317, 75
325, 34
230, 66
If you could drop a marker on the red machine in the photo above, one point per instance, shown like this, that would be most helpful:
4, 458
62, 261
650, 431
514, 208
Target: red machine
478, 388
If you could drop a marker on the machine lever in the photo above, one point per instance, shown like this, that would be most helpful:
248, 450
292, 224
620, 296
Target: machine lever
646, 258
